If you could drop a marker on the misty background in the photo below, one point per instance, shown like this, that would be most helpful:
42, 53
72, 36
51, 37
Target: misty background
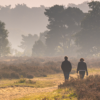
45, 31
24, 20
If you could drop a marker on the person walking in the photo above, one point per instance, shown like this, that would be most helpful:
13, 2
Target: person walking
66, 68
82, 68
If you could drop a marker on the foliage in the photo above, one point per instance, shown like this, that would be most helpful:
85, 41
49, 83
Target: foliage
22, 81
86, 89
27, 43
30, 67
42, 36
88, 38
4, 43
63, 23
38, 48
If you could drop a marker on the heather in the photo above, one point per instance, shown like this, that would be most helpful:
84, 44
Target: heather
30, 67
85, 89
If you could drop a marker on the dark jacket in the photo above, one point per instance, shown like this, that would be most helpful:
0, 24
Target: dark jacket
66, 66
82, 66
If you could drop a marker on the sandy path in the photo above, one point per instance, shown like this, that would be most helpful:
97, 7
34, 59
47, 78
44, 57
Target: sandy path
11, 93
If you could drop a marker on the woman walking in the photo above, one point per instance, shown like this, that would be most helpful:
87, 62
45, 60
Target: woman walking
82, 68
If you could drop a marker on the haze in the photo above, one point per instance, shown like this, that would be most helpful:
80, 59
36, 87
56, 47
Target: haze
37, 3
26, 17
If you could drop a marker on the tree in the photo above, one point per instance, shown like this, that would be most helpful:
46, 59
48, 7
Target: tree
88, 38
27, 43
63, 23
38, 48
42, 36
4, 43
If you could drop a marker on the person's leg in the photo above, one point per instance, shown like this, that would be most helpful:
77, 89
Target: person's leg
82, 73
66, 74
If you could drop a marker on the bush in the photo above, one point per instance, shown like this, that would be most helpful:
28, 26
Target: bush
14, 75
29, 76
44, 75
37, 67
30, 82
5, 75
23, 74
22, 81
86, 89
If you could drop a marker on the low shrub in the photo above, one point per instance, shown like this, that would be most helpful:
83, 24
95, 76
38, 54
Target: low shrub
30, 81
22, 81
5, 75
86, 89
14, 75
29, 67
29, 76
44, 75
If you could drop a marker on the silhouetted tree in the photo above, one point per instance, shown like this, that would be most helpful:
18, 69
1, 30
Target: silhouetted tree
38, 48
73, 18
55, 26
28, 42
42, 36
63, 23
23, 19
4, 43
88, 39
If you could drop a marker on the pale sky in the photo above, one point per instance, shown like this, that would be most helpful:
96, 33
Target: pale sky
37, 3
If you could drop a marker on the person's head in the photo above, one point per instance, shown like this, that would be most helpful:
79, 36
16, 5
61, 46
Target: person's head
66, 58
81, 59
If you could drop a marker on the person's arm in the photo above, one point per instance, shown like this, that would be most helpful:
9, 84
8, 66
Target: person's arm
78, 68
62, 66
86, 70
70, 67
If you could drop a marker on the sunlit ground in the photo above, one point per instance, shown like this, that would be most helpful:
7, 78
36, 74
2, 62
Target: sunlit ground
41, 86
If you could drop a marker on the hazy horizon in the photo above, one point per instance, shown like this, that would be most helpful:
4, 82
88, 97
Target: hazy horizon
38, 3
16, 29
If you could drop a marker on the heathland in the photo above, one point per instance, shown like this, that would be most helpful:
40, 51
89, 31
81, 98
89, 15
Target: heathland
27, 78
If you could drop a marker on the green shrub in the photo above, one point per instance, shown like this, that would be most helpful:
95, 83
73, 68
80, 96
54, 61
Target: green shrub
30, 82
22, 81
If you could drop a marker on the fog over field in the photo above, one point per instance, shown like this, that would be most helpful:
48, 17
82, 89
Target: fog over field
58, 30
50, 50
24, 20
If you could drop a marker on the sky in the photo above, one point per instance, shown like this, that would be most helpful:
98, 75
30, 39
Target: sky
38, 3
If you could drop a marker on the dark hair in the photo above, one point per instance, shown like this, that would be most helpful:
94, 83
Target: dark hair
81, 59
66, 57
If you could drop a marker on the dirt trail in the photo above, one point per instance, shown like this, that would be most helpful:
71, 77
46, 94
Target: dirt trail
11, 93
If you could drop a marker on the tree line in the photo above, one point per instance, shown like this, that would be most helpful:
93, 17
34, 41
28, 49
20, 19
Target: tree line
70, 32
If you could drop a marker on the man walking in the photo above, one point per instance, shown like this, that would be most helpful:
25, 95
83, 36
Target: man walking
66, 67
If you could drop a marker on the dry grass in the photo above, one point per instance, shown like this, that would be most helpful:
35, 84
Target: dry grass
42, 85
86, 89
47, 76
29, 67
